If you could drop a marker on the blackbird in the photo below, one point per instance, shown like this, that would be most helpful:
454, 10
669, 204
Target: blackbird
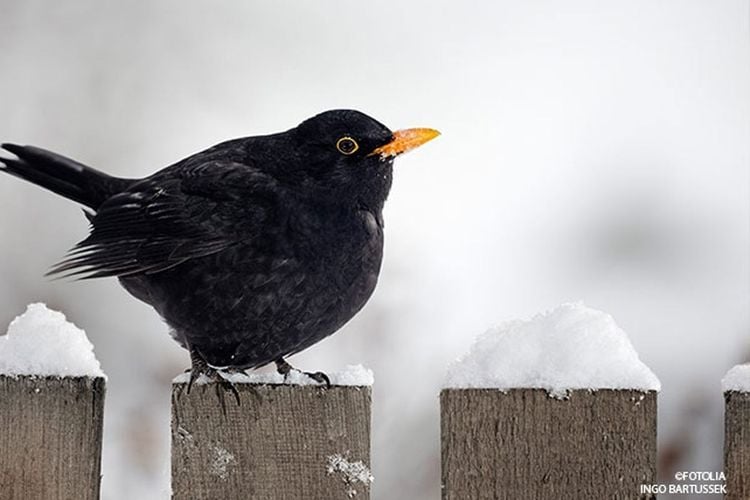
251, 250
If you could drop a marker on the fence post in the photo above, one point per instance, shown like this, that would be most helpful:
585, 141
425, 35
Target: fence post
50, 437
524, 444
737, 444
281, 441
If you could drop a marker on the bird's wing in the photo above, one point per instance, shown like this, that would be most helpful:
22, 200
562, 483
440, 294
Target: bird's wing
169, 218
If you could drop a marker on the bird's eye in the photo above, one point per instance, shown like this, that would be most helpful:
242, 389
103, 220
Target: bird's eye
347, 145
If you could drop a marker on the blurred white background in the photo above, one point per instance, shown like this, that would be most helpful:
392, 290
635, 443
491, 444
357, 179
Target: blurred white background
590, 150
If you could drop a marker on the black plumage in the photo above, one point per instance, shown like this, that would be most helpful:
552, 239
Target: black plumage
251, 250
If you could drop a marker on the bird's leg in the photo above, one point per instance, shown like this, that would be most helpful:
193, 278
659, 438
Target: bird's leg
285, 368
200, 367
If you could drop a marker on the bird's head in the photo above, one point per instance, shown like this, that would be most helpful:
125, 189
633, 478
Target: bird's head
346, 156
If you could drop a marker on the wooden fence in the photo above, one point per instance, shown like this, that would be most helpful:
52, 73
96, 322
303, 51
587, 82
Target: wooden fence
280, 441
525, 444
737, 444
309, 442
50, 437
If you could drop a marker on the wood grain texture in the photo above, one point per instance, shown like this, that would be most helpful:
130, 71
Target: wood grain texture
50, 437
737, 445
275, 445
523, 444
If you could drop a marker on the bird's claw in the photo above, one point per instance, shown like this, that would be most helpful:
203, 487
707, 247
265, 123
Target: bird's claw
285, 369
195, 374
200, 367
320, 378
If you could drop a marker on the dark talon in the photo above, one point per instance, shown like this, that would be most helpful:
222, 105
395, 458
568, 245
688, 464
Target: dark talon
285, 368
229, 385
320, 378
193, 377
200, 367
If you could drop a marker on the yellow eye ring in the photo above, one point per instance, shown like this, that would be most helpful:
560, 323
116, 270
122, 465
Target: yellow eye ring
347, 146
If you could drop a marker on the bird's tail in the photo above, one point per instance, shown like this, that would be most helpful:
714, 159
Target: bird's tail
61, 175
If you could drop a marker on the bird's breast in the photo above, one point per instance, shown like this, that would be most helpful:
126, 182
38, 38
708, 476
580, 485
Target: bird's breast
372, 247
346, 252
357, 268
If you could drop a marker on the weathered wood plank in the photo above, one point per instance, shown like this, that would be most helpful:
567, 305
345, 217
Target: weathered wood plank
50, 437
737, 445
523, 444
281, 442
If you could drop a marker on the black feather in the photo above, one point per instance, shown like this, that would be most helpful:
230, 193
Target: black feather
61, 175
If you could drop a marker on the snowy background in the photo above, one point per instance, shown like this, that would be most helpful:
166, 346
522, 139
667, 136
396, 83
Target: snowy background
590, 150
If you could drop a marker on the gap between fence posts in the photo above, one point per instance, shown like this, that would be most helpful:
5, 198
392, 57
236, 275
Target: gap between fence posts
50, 437
281, 442
524, 444
737, 444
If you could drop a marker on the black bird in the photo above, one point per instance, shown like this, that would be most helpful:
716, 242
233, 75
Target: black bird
251, 250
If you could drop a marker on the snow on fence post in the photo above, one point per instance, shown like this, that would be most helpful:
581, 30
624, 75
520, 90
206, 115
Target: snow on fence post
283, 440
559, 406
51, 410
736, 388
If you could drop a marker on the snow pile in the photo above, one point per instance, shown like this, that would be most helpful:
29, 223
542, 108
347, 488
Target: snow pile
42, 342
737, 379
351, 472
352, 375
221, 462
569, 347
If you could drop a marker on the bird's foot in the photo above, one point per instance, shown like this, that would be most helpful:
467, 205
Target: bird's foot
285, 369
320, 378
200, 367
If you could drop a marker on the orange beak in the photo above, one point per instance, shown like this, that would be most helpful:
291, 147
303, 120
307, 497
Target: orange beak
405, 140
